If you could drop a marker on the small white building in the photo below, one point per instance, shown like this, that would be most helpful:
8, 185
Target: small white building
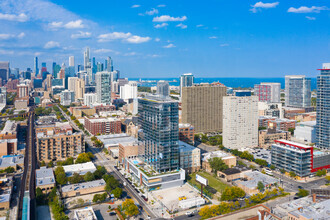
81, 168
306, 131
86, 213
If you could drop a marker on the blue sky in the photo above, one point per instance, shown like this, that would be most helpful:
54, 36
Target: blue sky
165, 38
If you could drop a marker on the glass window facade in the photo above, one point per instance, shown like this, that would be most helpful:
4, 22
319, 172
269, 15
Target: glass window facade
297, 91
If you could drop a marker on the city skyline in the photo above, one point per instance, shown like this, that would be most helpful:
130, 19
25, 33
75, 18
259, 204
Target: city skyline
167, 39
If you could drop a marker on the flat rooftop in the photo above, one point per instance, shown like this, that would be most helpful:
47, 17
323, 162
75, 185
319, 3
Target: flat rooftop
158, 98
184, 147
209, 155
45, 176
86, 213
96, 120
291, 143
256, 176
10, 127
9, 160
116, 139
307, 124
81, 168
85, 185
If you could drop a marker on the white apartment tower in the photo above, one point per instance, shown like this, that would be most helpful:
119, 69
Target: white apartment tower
128, 91
240, 120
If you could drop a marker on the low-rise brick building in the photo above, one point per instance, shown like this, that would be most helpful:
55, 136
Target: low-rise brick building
186, 133
103, 125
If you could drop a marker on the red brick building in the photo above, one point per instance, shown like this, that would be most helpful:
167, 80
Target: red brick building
104, 108
281, 124
103, 125
186, 133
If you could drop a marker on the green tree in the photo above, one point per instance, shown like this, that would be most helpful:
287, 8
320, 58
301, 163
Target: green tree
328, 179
10, 170
322, 172
217, 164
84, 157
89, 176
261, 186
42, 163
40, 197
50, 164
76, 178
272, 167
99, 172
80, 202
261, 162
292, 174
60, 176
302, 193
117, 192
291, 130
282, 171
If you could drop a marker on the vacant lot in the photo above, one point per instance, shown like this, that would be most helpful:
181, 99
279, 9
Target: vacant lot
215, 185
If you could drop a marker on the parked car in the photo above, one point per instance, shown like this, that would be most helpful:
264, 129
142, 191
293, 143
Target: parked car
189, 214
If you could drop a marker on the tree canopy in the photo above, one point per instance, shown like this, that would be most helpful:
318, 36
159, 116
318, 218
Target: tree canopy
217, 164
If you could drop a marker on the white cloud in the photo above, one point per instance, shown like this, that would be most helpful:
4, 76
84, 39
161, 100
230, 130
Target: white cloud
199, 25
213, 37
161, 25
304, 9
182, 26
152, 12
161, 6
166, 18
81, 35
224, 45
102, 50
157, 39
136, 6
70, 25
130, 54
311, 18
126, 37
6, 52
51, 45
12, 17
137, 39
169, 46
260, 5
12, 36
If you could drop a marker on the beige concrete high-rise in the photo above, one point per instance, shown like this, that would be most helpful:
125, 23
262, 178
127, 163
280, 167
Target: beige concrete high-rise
80, 89
202, 106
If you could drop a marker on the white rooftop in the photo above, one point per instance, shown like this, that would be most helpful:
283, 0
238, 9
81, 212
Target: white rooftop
184, 147
81, 168
209, 155
85, 185
116, 139
10, 127
45, 176
86, 213
6, 161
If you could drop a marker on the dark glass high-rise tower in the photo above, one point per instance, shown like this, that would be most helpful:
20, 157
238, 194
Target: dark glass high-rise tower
323, 108
159, 120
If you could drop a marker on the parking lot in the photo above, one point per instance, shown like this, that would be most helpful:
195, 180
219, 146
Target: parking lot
170, 197
261, 154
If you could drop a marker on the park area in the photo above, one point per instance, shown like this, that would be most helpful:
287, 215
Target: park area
215, 187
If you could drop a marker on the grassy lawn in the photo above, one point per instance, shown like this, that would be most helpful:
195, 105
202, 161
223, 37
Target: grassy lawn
214, 183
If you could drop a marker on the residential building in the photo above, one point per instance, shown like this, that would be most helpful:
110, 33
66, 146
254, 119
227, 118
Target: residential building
66, 97
77, 86
128, 150
250, 186
98, 126
45, 179
297, 91
128, 91
163, 88
84, 188
268, 92
267, 137
112, 141
80, 168
15, 161
281, 124
109, 64
240, 115
202, 106
9, 131
104, 108
270, 109
103, 87
299, 158
190, 157
306, 131
22, 91
59, 146
186, 80
72, 83
323, 108
90, 99
228, 159
159, 121
21, 104
8, 147
187, 133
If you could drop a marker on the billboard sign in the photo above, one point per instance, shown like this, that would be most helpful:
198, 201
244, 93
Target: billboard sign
201, 180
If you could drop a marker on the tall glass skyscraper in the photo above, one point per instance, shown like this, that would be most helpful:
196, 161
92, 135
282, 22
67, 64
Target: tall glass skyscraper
186, 80
159, 120
103, 87
36, 68
323, 108
297, 91
163, 88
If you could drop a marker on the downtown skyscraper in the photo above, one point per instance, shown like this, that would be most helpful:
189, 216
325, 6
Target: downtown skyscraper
186, 80
103, 87
323, 108
36, 68
297, 91
159, 120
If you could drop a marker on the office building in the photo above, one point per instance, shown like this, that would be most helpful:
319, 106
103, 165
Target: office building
98, 126
57, 82
323, 108
99, 67
89, 99
109, 64
66, 97
297, 91
71, 61
87, 63
306, 131
299, 158
103, 87
186, 80
268, 92
202, 106
128, 91
163, 88
36, 66
159, 121
4, 70
240, 115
